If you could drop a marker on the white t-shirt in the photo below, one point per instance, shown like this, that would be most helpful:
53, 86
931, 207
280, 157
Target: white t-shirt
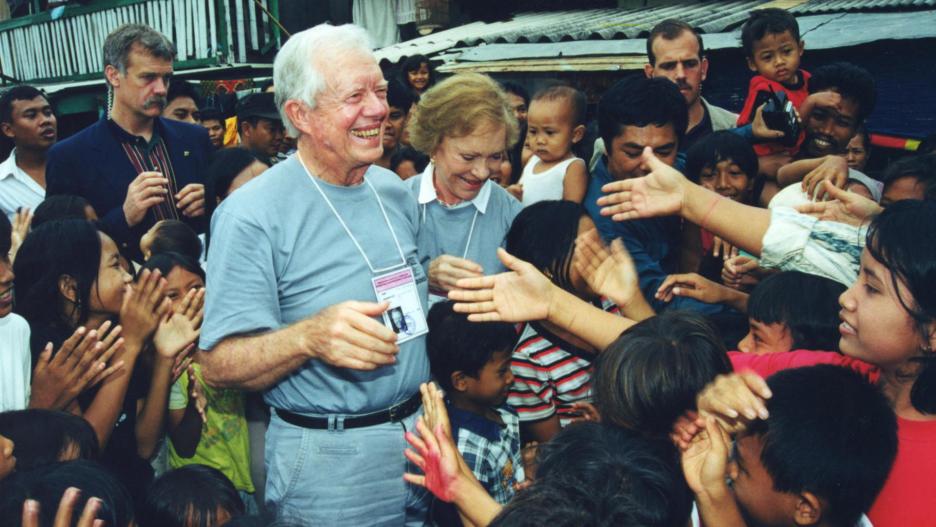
546, 185
15, 363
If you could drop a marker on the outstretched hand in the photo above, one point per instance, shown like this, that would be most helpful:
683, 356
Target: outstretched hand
82, 362
65, 512
610, 273
144, 306
705, 457
21, 223
738, 272
692, 285
179, 328
833, 169
434, 450
521, 294
735, 399
660, 193
842, 206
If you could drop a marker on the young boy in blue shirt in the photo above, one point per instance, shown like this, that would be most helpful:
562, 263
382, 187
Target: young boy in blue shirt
471, 362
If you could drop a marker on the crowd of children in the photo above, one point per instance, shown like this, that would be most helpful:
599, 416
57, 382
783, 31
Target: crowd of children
738, 331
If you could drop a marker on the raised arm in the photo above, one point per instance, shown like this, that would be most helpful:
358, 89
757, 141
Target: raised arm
665, 191
523, 294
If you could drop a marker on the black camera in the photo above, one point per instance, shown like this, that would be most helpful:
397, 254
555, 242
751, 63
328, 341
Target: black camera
779, 114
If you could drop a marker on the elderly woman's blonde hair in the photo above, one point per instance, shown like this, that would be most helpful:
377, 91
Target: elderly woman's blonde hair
458, 106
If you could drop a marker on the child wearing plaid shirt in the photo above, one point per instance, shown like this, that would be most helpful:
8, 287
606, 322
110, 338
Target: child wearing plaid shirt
471, 362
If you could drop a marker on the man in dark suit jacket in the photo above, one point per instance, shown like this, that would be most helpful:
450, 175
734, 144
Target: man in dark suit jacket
134, 167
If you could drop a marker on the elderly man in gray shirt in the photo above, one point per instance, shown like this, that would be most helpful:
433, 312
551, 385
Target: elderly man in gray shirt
305, 262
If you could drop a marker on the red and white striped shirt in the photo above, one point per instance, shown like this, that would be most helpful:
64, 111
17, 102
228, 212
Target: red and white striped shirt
550, 374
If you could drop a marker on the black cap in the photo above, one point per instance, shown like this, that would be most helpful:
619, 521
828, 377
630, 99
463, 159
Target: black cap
257, 105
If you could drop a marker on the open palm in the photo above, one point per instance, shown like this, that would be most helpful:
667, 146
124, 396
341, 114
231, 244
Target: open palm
519, 295
660, 193
180, 327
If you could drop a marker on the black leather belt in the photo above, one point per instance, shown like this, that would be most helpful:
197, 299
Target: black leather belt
393, 414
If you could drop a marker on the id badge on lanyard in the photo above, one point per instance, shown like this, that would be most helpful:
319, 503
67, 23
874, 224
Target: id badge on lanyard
405, 315
395, 285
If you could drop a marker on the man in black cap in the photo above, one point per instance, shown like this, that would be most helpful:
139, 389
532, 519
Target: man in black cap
260, 127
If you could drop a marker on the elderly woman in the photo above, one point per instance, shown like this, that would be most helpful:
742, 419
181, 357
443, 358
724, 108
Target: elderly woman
465, 124
305, 263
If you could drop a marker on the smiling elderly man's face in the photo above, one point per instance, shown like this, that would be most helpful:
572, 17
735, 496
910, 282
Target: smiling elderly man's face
350, 111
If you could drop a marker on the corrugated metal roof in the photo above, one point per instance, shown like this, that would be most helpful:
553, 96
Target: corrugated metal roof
587, 24
618, 24
826, 31
850, 6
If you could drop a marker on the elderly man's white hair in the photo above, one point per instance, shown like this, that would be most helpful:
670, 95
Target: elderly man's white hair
295, 73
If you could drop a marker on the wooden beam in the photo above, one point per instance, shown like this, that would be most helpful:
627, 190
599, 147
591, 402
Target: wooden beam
558, 64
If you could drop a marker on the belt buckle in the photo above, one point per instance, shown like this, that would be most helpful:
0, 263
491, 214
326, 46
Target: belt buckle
393, 413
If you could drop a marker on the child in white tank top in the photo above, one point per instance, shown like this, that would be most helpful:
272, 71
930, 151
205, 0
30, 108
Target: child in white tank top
555, 122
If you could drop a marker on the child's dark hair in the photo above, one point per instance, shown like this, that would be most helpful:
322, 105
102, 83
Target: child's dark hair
165, 262
862, 131
60, 207
190, 496
576, 99
605, 476
849, 81
48, 484
808, 305
42, 437
408, 153
179, 88
399, 96
652, 373
544, 234
909, 252
413, 63
717, 147
455, 344
828, 425
518, 90
639, 101
761, 22
920, 167
55, 249
210, 113
175, 236
6, 237
223, 167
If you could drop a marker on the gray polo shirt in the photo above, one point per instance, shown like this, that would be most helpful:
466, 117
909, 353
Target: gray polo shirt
279, 255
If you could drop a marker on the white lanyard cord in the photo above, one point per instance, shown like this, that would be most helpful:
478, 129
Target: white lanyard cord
345, 226
470, 233
470, 230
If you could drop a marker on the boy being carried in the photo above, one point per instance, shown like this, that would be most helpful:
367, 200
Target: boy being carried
472, 364
772, 45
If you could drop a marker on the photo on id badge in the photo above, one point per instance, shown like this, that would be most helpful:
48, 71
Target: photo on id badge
405, 315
